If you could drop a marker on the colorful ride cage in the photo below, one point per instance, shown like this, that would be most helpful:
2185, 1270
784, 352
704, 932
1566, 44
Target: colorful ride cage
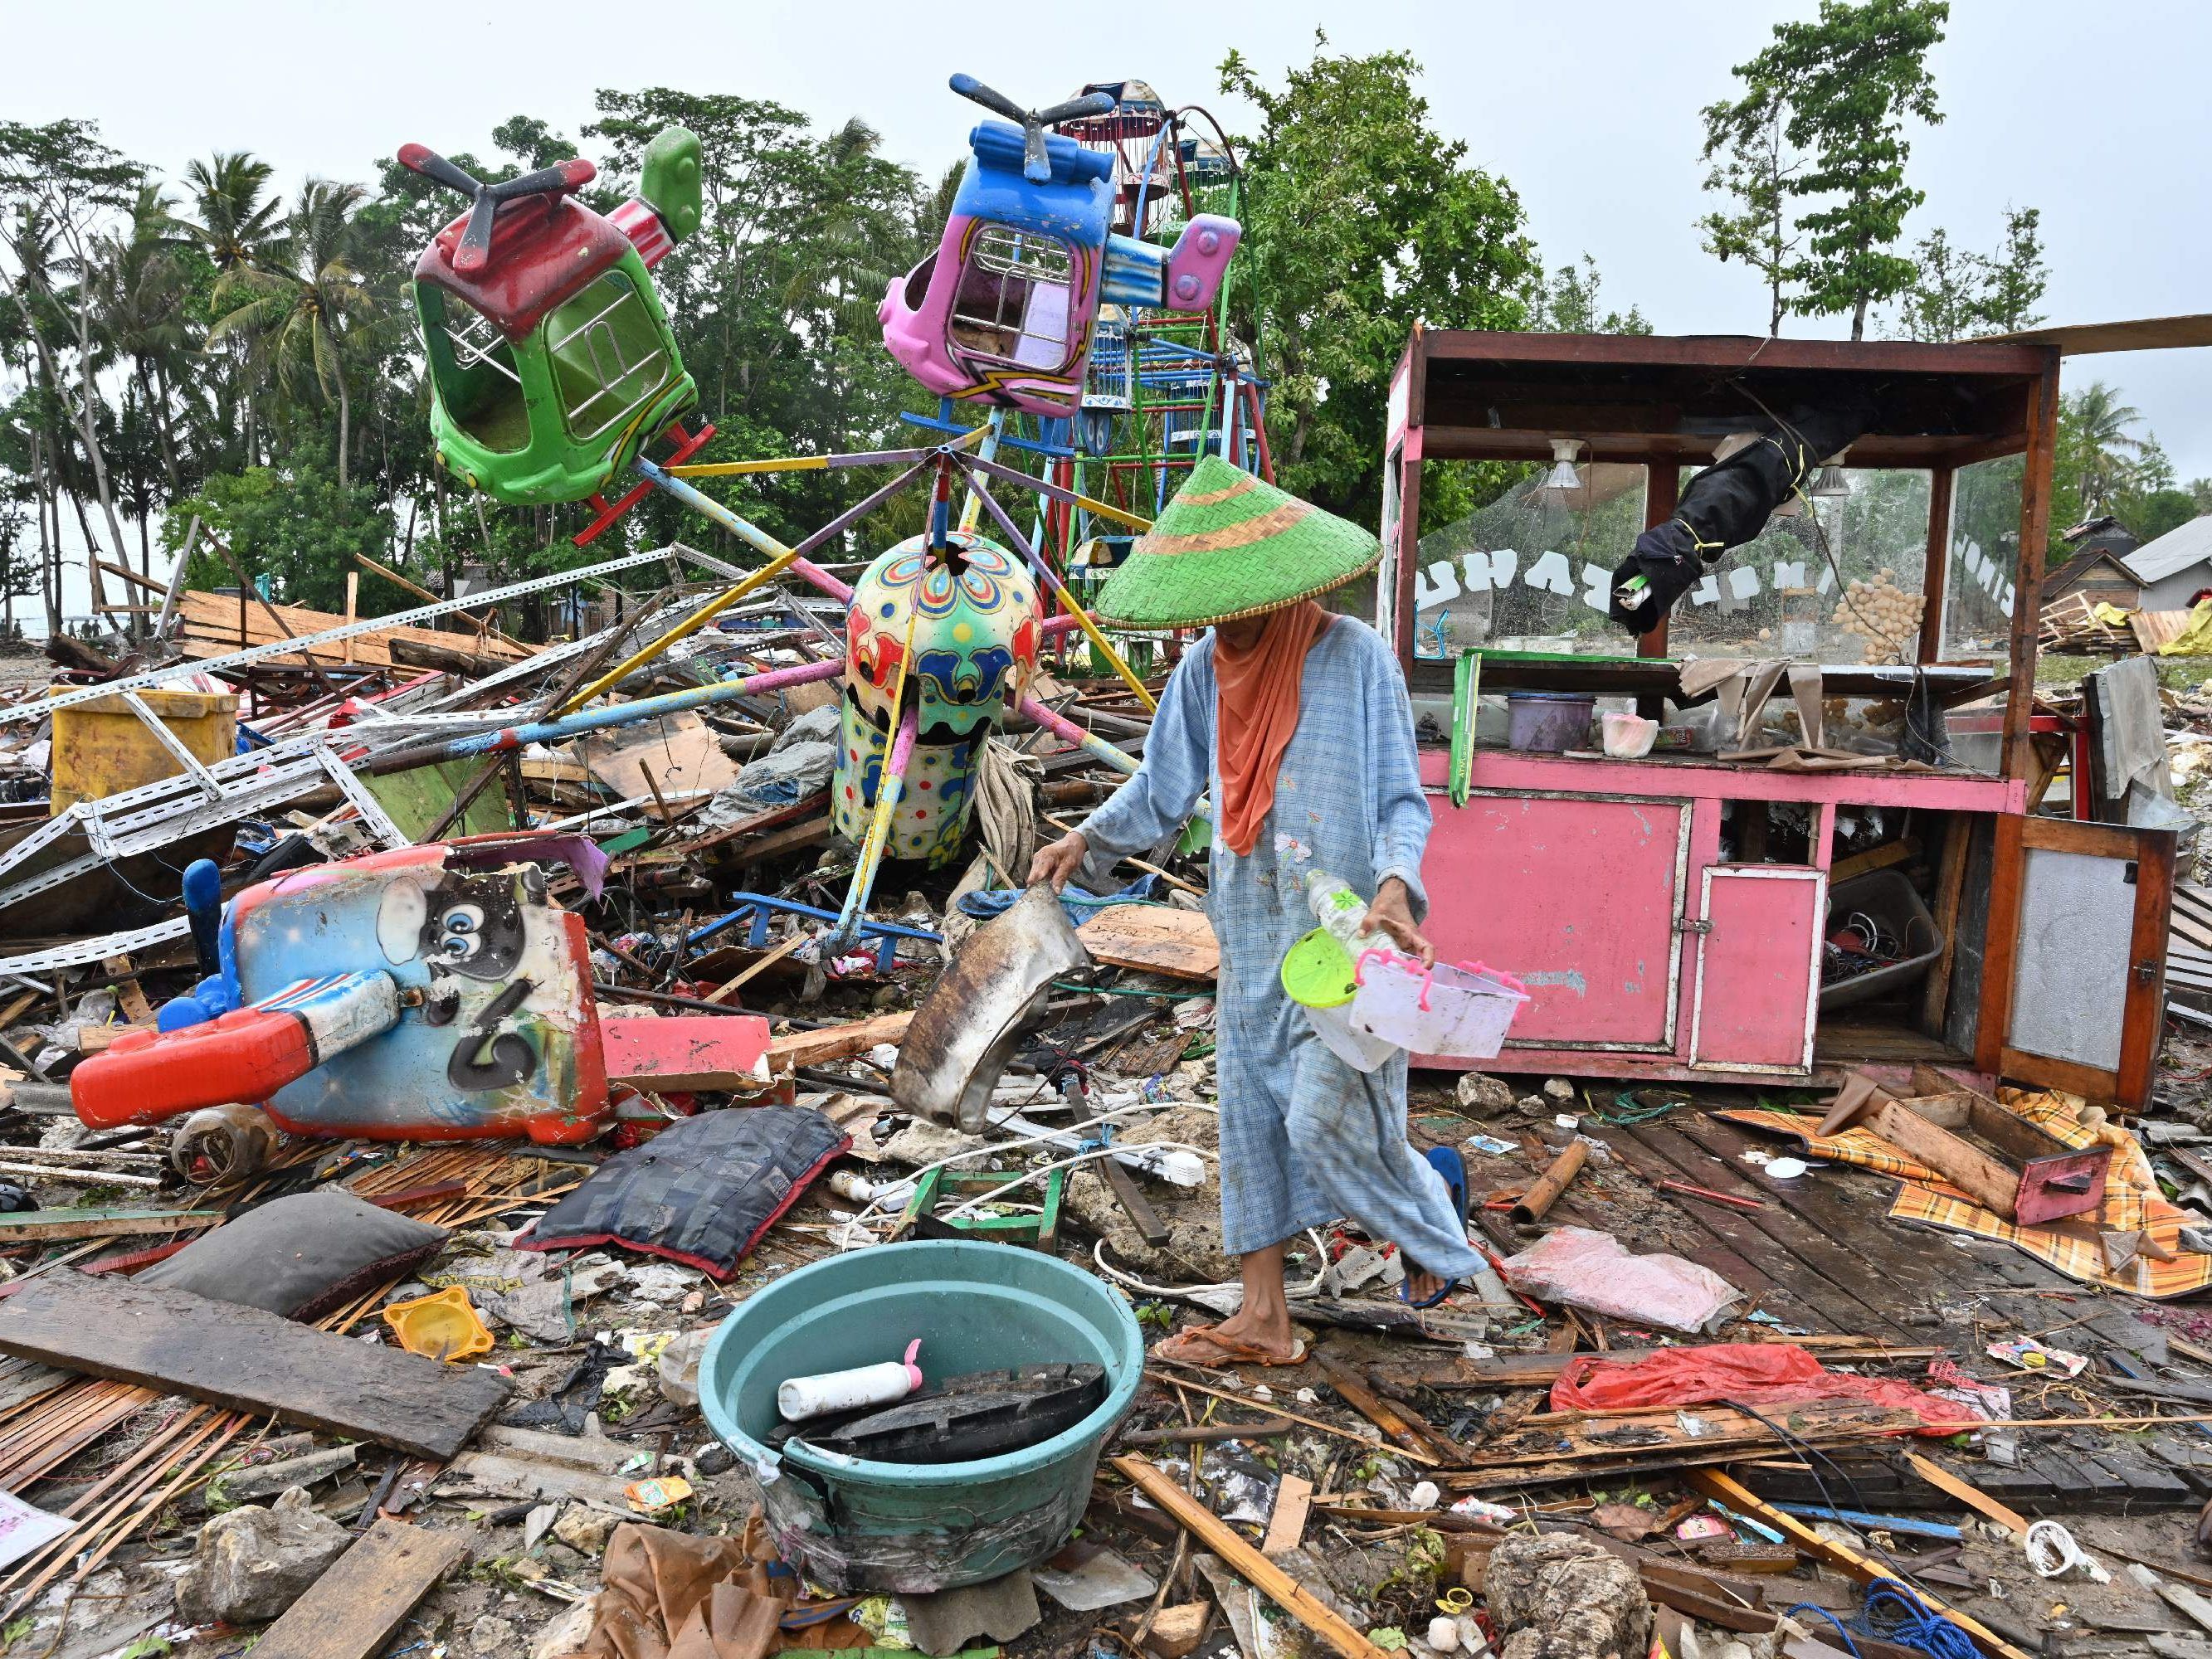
1165, 388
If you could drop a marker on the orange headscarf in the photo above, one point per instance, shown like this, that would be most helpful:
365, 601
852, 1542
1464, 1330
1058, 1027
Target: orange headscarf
1259, 713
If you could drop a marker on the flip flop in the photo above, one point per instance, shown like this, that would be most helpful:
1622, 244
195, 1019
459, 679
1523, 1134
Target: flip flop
1227, 1351
1446, 1162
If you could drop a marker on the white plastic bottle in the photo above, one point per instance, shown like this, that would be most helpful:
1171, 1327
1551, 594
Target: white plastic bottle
803, 1398
1342, 913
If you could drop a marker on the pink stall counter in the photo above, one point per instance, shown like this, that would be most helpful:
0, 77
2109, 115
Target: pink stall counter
1690, 917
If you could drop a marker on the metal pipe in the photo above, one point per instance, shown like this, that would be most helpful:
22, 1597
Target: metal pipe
1529, 1210
1068, 731
560, 730
888, 787
744, 529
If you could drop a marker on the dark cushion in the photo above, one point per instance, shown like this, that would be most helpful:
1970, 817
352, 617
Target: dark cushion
300, 1256
701, 1191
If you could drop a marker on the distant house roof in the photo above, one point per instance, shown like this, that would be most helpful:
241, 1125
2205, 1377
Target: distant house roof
2106, 532
2176, 551
2070, 575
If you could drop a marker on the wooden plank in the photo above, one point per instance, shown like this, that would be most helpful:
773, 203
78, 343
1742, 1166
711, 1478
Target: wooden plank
1155, 938
1249, 1563
1825, 1275
1875, 857
350, 1612
59, 1226
707, 1051
244, 1359
1286, 1526
1715, 1484
835, 1042
1950, 889
1966, 1492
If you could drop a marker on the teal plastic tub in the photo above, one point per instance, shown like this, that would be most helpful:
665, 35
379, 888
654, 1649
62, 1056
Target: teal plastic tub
855, 1524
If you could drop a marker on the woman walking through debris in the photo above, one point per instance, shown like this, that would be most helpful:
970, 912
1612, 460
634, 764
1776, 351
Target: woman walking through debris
1298, 723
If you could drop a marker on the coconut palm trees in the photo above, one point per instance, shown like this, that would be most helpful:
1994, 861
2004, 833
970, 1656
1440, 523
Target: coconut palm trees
296, 306
2104, 448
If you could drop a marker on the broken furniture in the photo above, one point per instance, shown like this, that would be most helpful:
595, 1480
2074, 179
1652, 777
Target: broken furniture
856, 1524
2008, 1165
1651, 949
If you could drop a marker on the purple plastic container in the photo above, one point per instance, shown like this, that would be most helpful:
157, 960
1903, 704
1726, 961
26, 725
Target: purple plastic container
1548, 722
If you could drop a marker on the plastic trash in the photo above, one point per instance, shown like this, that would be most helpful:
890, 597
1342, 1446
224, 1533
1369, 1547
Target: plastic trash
801, 1399
1317, 973
1596, 1271
1461, 1011
2053, 1552
444, 1325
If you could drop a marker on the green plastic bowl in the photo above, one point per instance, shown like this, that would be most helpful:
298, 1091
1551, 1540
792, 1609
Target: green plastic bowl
856, 1524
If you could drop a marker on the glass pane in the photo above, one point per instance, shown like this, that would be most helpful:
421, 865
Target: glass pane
1012, 302
1835, 577
607, 354
472, 366
1531, 571
1985, 555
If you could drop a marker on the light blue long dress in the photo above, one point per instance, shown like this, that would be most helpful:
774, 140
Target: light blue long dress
1306, 1139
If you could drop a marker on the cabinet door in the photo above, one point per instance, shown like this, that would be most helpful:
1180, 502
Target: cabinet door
1758, 980
2074, 979
1578, 896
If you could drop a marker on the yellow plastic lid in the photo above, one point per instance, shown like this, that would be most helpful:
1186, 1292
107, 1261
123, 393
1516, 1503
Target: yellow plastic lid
1317, 971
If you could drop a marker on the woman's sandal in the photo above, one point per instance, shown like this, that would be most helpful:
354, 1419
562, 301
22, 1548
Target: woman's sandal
1226, 1351
1446, 1162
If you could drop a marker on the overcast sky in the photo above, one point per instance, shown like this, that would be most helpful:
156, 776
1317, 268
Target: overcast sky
2095, 115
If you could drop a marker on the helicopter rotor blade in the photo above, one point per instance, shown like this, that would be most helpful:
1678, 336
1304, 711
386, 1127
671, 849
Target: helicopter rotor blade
418, 158
997, 102
475, 249
564, 177
1092, 103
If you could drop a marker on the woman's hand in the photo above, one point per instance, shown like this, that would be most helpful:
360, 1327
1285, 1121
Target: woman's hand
1060, 859
1393, 912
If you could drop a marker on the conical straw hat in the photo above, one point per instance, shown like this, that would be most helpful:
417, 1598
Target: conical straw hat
1230, 545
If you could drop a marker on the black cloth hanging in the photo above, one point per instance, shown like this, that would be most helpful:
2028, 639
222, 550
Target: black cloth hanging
1727, 504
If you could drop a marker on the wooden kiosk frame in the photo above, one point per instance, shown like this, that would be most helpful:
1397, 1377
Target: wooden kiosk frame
1601, 882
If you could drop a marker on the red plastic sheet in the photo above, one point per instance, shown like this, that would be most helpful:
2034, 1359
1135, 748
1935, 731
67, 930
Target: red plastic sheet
1758, 1375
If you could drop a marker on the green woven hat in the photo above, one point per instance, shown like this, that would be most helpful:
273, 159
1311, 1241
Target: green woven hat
1230, 545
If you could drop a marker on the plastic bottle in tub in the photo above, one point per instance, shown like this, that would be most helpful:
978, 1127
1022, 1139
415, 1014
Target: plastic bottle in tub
804, 1398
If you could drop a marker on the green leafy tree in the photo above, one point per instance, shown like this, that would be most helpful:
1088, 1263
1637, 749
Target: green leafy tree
1943, 301
1749, 159
2014, 281
2097, 452
1844, 88
1568, 304
1362, 219
292, 522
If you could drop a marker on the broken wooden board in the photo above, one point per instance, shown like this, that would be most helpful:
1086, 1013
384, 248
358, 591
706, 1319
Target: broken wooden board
350, 1612
836, 1042
1156, 939
679, 757
1253, 1567
1553, 1446
245, 1360
210, 628
58, 1226
679, 1052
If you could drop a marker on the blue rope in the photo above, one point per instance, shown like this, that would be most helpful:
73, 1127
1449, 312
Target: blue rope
1894, 1613
1841, 1629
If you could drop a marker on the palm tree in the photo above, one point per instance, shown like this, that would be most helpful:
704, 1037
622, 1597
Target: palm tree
2105, 447
142, 313
296, 313
239, 221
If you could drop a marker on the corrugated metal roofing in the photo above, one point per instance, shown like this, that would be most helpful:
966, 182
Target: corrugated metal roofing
2176, 549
